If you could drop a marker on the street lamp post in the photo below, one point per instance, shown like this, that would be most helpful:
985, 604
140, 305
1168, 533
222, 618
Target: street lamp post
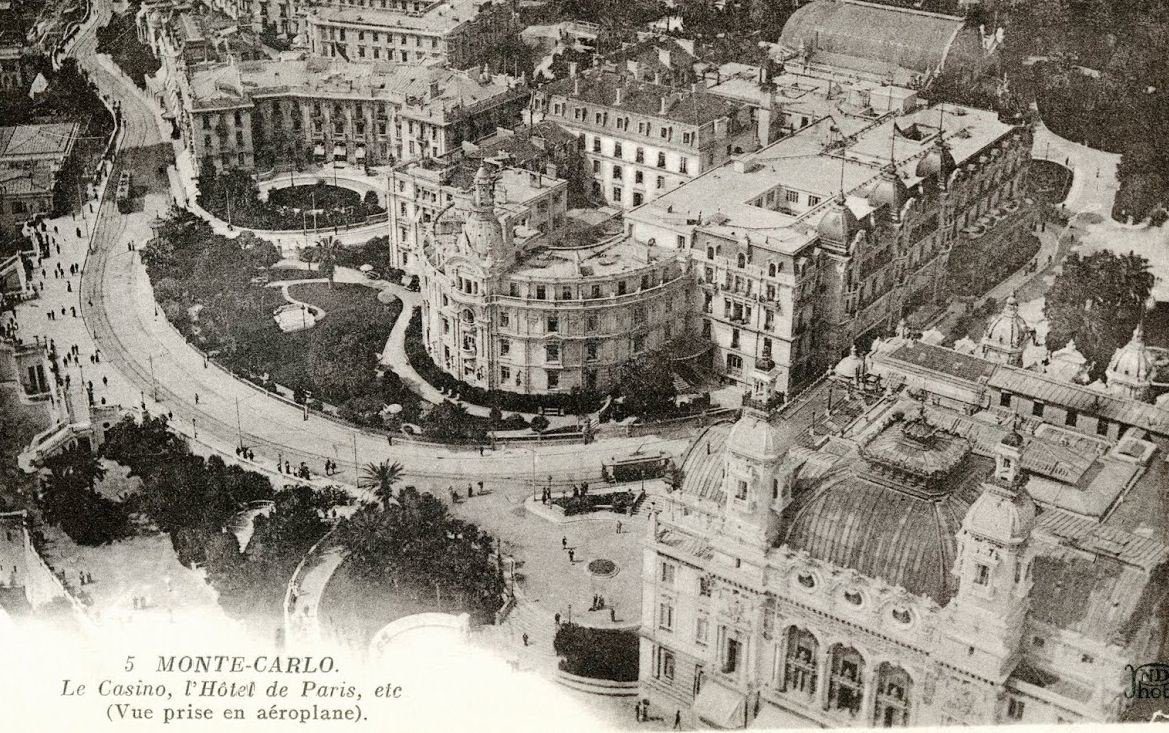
239, 424
153, 383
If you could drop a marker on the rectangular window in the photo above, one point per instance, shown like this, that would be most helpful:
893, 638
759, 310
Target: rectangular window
504, 373
1101, 427
1070, 418
540, 292
1015, 708
617, 149
592, 323
1037, 409
1005, 399
667, 573
553, 324
504, 347
701, 629
504, 319
664, 668
617, 172
552, 352
591, 351
981, 574
813, 200
741, 490
661, 160
638, 344
660, 182
793, 197
553, 380
666, 615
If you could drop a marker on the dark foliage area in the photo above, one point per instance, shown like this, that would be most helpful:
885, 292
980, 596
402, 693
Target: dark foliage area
335, 361
616, 501
193, 499
234, 196
69, 500
415, 547
975, 266
606, 654
119, 38
1100, 79
1097, 300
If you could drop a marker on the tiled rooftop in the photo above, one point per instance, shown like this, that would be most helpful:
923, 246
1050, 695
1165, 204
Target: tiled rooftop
441, 17
600, 87
24, 142
229, 84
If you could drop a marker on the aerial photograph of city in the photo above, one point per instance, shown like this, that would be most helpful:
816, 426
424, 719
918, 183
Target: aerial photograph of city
533, 365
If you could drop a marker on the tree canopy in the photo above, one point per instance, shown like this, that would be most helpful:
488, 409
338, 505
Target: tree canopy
1097, 300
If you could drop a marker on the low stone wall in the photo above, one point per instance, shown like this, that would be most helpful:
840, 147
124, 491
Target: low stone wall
606, 688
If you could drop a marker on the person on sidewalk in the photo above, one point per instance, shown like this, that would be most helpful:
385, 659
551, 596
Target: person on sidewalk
677, 720
564, 543
525, 638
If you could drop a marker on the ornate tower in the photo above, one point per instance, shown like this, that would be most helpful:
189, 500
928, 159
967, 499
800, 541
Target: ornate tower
1007, 335
993, 568
483, 236
756, 492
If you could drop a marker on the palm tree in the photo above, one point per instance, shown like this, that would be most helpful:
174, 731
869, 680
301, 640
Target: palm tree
380, 478
328, 257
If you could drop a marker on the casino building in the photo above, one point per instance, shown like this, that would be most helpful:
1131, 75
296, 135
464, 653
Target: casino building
953, 540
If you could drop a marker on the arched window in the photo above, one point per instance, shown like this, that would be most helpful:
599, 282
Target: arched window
894, 687
846, 679
771, 269
710, 253
799, 669
742, 260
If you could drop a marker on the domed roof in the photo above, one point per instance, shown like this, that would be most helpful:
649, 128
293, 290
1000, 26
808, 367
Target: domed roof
1012, 439
1132, 362
937, 162
839, 223
889, 191
1008, 330
482, 176
755, 438
1001, 515
482, 234
851, 366
904, 539
1067, 364
895, 512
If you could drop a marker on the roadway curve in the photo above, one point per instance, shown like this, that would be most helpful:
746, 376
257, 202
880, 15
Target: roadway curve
155, 359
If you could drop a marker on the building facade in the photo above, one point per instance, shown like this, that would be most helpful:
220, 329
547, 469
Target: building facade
828, 229
456, 33
265, 113
31, 156
642, 139
930, 555
507, 308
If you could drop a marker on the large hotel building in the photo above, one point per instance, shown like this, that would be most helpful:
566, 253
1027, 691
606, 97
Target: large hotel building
323, 110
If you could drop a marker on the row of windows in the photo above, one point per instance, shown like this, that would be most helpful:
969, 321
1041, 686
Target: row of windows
334, 33
638, 157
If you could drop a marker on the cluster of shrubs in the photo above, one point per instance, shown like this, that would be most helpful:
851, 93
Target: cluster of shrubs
606, 654
618, 502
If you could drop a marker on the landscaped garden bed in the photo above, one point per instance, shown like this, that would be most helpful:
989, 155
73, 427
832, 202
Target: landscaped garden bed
233, 196
619, 502
606, 654
1048, 182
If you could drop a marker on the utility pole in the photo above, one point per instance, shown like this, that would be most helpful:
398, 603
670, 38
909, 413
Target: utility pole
239, 424
355, 463
153, 383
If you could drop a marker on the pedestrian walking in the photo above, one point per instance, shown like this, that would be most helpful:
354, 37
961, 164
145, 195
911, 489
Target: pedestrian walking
470, 491
677, 720
196, 398
564, 543
570, 554
556, 618
618, 526
525, 638
73, 310
480, 450
612, 615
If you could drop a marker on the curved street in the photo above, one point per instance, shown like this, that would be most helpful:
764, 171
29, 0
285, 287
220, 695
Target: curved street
158, 368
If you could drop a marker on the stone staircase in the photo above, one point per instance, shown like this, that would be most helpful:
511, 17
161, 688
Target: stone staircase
531, 618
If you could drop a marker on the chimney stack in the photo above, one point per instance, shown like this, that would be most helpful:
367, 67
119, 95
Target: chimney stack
664, 106
576, 86
572, 69
620, 95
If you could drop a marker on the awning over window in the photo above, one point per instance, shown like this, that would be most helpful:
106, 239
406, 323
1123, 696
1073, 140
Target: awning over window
360, 153
338, 151
719, 706
319, 150
771, 717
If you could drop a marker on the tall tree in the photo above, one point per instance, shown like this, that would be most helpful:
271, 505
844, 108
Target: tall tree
381, 478
1097, 300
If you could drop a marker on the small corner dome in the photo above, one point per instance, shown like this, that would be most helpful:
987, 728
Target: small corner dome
1001, 516
1133, 360
937, 162
1008, 328
482, 176
851, 366
838, 223
754, 437
889, 190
